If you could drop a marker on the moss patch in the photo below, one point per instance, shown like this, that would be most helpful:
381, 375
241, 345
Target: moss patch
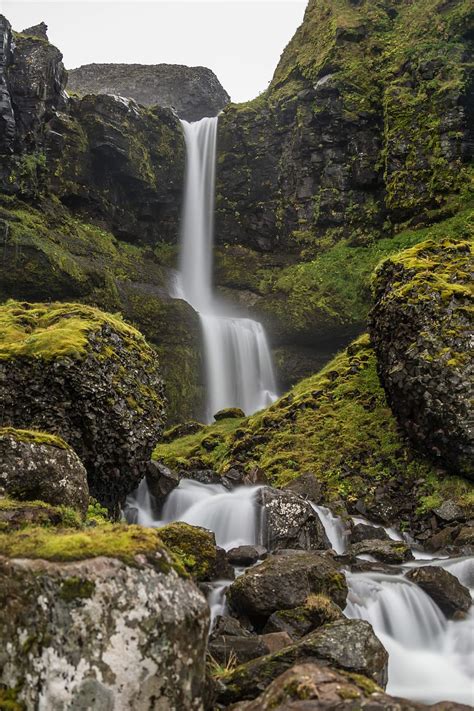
76, 589
20, 513
34, 437
193, 546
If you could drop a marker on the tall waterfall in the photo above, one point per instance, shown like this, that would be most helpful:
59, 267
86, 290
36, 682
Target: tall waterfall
239, 369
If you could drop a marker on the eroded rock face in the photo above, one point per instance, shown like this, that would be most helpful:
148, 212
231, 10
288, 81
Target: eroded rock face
46, 470
421, 327
194, 92
96, 382
101, 635
290, 521
284, 582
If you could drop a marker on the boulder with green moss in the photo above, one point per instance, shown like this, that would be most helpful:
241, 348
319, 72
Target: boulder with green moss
99, 619
421, 326
88, 377
37, 466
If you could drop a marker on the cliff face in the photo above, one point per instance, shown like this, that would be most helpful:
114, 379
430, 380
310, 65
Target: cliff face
194, 92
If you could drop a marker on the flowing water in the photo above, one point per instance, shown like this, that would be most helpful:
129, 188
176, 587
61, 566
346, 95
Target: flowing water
239, 370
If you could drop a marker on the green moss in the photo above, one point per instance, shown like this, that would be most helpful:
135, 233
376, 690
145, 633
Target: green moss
53, 515
34, 437
367, 685
9, 699
193, 546
76, 589
96, 514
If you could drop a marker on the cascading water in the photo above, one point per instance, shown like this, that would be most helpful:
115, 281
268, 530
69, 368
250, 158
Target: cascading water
239, 369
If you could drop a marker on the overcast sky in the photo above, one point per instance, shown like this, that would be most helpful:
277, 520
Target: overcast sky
240, 40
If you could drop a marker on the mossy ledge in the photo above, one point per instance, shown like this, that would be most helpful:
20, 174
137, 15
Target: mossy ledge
34, 437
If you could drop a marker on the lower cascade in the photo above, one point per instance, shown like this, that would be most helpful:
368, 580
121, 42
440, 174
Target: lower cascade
238, 362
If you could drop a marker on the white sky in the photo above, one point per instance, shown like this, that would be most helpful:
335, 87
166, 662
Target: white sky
240, 40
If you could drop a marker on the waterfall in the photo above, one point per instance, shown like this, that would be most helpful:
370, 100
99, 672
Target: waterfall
239, 370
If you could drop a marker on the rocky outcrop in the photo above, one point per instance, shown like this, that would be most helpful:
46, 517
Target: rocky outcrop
36, 466
92, 379
349, 645
284, 582
120, 630
194, 92
451, 596
421, 327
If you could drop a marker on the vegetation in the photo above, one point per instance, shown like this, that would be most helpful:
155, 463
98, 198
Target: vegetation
34, 437
194, 547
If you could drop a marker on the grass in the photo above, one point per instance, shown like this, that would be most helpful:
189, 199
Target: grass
34, 437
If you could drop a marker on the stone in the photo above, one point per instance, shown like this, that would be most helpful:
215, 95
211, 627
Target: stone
229, 413
305, 485
37, 466
318, 610
451, 596
161, 480
224, 648
449, 511
363, 532
194, 92
285, 582
246, 555
114, 636
227, 626
349, 645
290, 521
93, 380
384, 551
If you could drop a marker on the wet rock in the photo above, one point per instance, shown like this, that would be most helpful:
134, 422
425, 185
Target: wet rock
384, 551
229, 413
161, 480
246, 555
242, 649
364, 532
290, 521
196, 548
305, 485
37, 466
318, 610
285, 582
203, 476
228, 627
349, 645
451, 596
101, 634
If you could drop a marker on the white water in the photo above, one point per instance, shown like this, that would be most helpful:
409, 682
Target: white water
239, 370
334, 528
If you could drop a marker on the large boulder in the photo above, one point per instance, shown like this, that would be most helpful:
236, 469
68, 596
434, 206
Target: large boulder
284, 582
117, 629
349, 645
86, 375
451, 596
289, 521
421, 327
37, 466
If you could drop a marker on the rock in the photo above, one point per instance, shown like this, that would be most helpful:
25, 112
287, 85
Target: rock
196, 547
194, 92
444, 588
228, 627
224, 648
421, 327
37, 466
182, 429
92, 379
349, 645
385, 551
246, 555
16, 515
449, 511
40, 31
318, 610
363, 532
229, 413
290, 521
116, 634
465, 537
307, 486
310, 686
161, 480
285, 582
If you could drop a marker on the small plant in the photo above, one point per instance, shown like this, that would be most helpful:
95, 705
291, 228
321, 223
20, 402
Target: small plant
219, 670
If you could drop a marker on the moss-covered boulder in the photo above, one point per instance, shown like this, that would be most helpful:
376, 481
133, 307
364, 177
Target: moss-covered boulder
194, 546
37, 466
421, 326
123, 628
18, 515
87, 376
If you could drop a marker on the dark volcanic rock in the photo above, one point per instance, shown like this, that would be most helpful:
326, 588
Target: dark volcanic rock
285, 582
89, 377
161, 480
444, 588
349, 645
246, 555
38, 467
318, 610
384, 551
364, 532
243, 649
421, 327
194, 92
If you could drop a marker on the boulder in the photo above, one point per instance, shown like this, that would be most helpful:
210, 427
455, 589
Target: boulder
451, 596
384, 551
16, 515
246, 555
289, 521
305, 485
349, 645
229, 413
90, 378
196, 547
161, 480
364, 532
421, 327
228, 627
37, 466
285, 582
120, 630
318, 610
224, 648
